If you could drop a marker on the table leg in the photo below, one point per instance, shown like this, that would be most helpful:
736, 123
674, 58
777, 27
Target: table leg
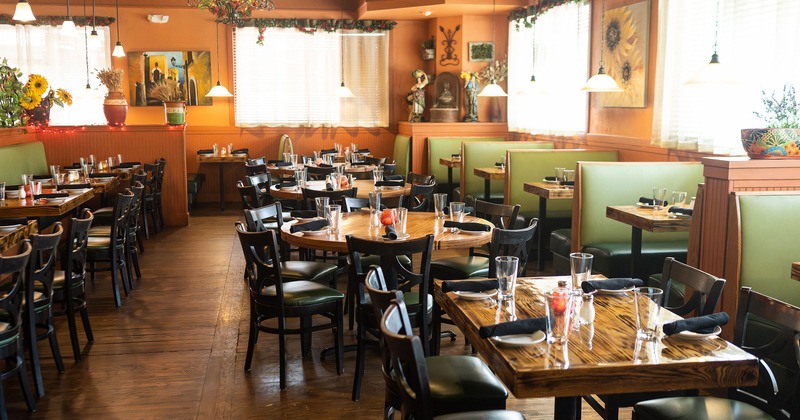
450, 183
567, 408
540, 229
487, 187
221, 186
636, 251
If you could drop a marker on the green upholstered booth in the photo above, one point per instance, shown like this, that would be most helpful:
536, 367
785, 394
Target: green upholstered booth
445, 147
602, 184
486, 154
402, 154
24, 158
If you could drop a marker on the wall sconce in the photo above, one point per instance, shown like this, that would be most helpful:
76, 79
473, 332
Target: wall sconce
157, 18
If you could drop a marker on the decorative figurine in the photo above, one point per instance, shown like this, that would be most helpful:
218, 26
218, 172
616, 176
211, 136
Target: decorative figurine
472, 85
416, 97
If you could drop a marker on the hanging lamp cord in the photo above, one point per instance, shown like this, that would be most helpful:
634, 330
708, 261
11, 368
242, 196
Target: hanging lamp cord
716, 30
494, 47
533, 52
341, 40
68, 15
602, 32
217, 31
86, 47
118, 20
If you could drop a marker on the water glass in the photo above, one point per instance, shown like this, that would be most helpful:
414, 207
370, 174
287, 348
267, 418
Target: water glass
439, 204
457, 211
659, 196
316, 156
580, 267
333, 213
300, 178
293, 159
287, 157
377, 176
2, 191
353, 148
119, 159
507, 267
110, 162
321, 203
401, 221
374, 200
560, 174
35, 187
569, 175
87, 169
647, 302
92, 160
60, 178
679, 198
558, 307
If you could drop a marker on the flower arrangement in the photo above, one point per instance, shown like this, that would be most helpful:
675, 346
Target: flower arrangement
232, 11
468, 75
780, 111
167, 90
497, 71
781, 138
38, 92
111, 79
11, 90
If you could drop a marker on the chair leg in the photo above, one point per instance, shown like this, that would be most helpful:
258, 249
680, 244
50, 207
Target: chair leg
305, 337
115, 285
128, 269
73, 331
53, 338
251, 344
340, 337
140, 241
23, 381
361, 349
87, 328
145, 225
135, 259
33, 352
282, 350
122, 268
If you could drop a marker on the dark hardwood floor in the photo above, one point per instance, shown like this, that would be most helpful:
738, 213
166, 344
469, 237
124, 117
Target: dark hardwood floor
175, 349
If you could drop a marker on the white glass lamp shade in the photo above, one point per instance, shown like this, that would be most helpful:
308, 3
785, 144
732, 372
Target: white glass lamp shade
713, 73
68, 26
601, 82
219, 91
23, 12
344, 92
493, 90
118, 51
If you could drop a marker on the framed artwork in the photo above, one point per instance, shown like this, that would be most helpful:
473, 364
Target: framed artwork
192, 70
625, 54
481, 51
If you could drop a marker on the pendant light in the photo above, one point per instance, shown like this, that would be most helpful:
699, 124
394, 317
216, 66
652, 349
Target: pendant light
532, 86
343, 91
94, 28
713, 72
68, 26
218, 91
23, 12
118, 51
601, 82
493, 89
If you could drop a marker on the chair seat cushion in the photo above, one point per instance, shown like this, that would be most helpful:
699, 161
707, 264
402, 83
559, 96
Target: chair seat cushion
100, 230
307, 270
463, 383
302, 293
613, 258
455, 268
677, 293
103, 216
97, 244
411, 300
483, 415
697, 408
561, 242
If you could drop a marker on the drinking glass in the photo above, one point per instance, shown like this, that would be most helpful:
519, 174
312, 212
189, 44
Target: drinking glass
54, 170
374, 200
287, 157
2, 191
35, 187
558, 307
457, 211
26, 179
580, 267
560, 174
679, 198
659, 196
119, 159
401, 221
87, 169
293, 158
316, 156
507, 275
335, 180
439, 204
377, 176
110, 161
321, 203
92, 160
647, 302
353, 148
333, 213
61, 177
569, 175
300, 178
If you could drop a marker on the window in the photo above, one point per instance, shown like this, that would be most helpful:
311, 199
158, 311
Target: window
756, 38
291, 79
62, 60
561, 37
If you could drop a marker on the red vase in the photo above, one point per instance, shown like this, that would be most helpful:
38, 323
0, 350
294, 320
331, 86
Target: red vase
40, 115
115, 108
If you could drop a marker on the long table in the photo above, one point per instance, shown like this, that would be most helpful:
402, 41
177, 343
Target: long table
602, 357
28, 207
11, 235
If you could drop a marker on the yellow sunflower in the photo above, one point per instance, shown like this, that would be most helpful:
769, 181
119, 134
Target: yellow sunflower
64, 96
37, 85
620, 36
29, 102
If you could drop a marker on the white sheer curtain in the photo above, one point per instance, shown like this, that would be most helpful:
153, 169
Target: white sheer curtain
291, 79
61, 59
561, 39
757, 40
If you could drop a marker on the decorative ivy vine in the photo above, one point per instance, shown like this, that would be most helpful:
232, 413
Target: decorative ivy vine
312, 26
521, 16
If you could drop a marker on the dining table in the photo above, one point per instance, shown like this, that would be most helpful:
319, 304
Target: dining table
221, 161
642, 218
11, 235
545, 190
450, 163
601, 357
365, 186
496, 173
288, 171
30, 207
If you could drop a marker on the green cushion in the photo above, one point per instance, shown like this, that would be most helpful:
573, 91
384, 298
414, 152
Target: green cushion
402, 154
560, 241
307, 270
769, 244
100, 230
445, 147
533, 165
481, 155
677, 294
302, 293
463, 383
614, 258
25, 158
697, 408
455, 268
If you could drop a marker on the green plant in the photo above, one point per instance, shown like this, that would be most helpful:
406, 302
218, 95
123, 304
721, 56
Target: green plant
11, 90
428, 44
781, 110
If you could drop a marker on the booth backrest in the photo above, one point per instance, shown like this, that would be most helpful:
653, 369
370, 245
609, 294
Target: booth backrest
533, 165
25, 158
602, 184
445, 147
402, 154
485, 155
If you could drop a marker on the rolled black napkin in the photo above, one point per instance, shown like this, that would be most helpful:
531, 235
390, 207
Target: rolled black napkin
389, 184
398, 178
205, 152
102, 175
469, 285
362, 163
364, 151
128, 164
328, 152
522, 326
391, 233
456, 156
325, 165
572, 183
681, 210
701, 324
42, 176
306, 214
590, 286
50, 195
328, 186
473, 227
282, 164
73, 167
550, 178
13, 221
240, 151
288, 184
649, 201
499, 164
312, 225
74, 186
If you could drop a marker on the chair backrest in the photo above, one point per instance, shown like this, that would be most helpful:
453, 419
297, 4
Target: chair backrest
259, 180
487, 154
12, 268
74, 260
355, 203
374, 161
336, 197
503, 216
770, 329
257, 161
250, 195
255, 169
260, 254
319, 172
262, 218
152, 177
402, 153
389, 168
120, 224
421, 178
706, 289
42, 263
512, 243
419, 199
137, 188
162, 166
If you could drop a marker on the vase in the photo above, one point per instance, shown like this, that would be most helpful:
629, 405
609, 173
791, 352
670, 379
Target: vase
40, 115
771, 143
115, 107
175, 112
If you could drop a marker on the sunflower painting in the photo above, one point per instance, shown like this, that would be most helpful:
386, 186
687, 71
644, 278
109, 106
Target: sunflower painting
625, 54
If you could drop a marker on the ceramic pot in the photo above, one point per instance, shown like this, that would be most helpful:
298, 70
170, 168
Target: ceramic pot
175, 112
771, 143
40, 115
115, 108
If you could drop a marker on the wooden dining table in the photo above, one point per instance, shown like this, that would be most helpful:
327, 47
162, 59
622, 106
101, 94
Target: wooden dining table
603, 357
221, 161
13, 234
28, 207
365, 186
288, 171
545, 191
450, 163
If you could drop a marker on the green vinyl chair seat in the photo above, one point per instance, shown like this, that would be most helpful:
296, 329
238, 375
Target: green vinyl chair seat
304, 293
455, 268
698, 408
464, 382
483, 415
100, 230
410, 298
307, 270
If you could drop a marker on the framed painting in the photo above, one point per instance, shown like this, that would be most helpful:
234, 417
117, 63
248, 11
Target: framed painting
626, 53
192, 70
481, 51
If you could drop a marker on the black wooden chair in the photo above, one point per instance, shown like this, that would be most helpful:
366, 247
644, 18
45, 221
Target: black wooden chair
374, 161
108, 246
413, 178
419, 199
319, 172
273, 297
355, 203
152, 195
770, 330
251, 196
336, 197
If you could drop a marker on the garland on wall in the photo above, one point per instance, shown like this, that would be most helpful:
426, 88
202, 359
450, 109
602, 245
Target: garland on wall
521, 16
58, 20
312, 26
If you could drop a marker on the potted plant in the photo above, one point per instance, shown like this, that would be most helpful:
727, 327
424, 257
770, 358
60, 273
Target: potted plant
429, 49
115, 106
169, 91
11, 90
781, 138
39, 97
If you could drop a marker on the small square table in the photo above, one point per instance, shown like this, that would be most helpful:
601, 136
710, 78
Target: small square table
450, 163
221, 161
545, 191
489, 174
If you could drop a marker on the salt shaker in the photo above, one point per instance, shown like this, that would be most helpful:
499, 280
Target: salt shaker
587, 309
21, 191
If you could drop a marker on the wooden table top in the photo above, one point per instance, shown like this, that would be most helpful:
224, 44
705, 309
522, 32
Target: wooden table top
493, 174
603, 357
419, 224
9, 237
550, 191
365, 186
450, 162
796, 271
27, 207
649, 219
222, 159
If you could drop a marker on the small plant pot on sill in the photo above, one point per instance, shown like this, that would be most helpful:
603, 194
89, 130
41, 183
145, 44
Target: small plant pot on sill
175, 112
771, 143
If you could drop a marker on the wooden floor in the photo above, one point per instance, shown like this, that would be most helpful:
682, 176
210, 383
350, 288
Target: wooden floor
175, 349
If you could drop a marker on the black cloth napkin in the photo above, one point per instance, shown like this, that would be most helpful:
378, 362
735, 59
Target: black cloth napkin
13, 221
363, 151
522, 326
391, 233
328, 152
305, 214
469, 285
649, 201
281, 164
590, 286
42, 176
102, 175
499, 164
473, 227
681, 210
50, 195
128, 164
396, 178
550, 178
328, 186
205, 152
324, 165
362, 163
288, 184
240, 151
73, 167
390, 184
74, 186
456, 155
567, 183
312, 225
701, 324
